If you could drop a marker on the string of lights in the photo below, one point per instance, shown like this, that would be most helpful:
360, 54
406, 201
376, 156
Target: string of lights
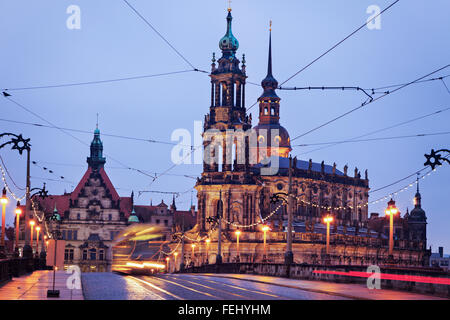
340, 42
369, 102
5, 183
9, 175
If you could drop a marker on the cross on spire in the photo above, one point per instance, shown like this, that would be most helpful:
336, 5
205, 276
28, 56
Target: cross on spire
229, 5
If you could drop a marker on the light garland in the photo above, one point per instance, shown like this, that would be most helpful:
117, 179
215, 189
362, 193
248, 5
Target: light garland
8, 188
256, 223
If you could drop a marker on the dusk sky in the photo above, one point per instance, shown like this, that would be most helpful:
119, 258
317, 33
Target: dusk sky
39, 50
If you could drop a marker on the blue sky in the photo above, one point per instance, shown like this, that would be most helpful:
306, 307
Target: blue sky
38, 49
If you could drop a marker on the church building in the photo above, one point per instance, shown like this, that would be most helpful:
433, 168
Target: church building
237, 185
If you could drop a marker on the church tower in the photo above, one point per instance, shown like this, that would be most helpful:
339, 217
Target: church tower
227, 110
417, 220
96, 160
273, 139
226, 168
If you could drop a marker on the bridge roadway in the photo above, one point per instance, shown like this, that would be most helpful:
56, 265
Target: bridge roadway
110, 286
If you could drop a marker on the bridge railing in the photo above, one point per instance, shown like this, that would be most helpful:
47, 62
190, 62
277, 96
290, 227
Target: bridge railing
16, 267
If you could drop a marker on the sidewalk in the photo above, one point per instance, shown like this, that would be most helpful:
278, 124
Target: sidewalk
352, 291
34, 287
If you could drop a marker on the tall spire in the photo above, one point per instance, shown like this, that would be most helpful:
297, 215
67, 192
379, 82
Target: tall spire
418, 197
269, 83
269, 64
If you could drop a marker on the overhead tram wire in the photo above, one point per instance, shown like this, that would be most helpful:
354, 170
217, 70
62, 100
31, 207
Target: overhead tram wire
89, 132
160, 35
8, 97
73, 84
337, 44
374, 139
382, 129
367, 103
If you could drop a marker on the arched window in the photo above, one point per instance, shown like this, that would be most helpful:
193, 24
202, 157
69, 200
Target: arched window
93, 254
85, 254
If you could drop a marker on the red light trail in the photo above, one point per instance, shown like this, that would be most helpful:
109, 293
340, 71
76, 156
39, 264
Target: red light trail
388, 276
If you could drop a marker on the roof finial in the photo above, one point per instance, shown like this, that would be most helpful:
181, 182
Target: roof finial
96, 126
270, 26
229, 5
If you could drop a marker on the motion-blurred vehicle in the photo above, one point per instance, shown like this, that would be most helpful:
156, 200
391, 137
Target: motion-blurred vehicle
139, 250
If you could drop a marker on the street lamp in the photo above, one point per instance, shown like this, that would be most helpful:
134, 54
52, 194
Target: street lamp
175, 258
38, 228
328, 219
31, 235
237, 233
4, 202
265, 228
193, 253
390, 211
167, 266
208, 241
18, 212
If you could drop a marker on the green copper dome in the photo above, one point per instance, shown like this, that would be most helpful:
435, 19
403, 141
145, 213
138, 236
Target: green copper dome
229, 44
133, 217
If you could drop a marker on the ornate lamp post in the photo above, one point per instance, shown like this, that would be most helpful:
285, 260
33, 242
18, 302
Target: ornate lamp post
264, 229
207, 241
55, 220
237, 233
18, 212
287, 199
328, 219
32, 223
20, 144
167, 264
175, 254
390, 211
217, 221
4, 201
193, 254
38, 229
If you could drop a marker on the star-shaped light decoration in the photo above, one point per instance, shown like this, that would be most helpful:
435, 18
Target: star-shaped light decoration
20, 144
274, 198
43, 193
433, 159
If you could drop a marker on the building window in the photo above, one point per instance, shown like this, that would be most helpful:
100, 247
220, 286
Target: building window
92, 254
101, 254
166, 223
69, 234
157, 221
78, 216
109, 217
68, 254
63, 234
75, 235
85, 254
